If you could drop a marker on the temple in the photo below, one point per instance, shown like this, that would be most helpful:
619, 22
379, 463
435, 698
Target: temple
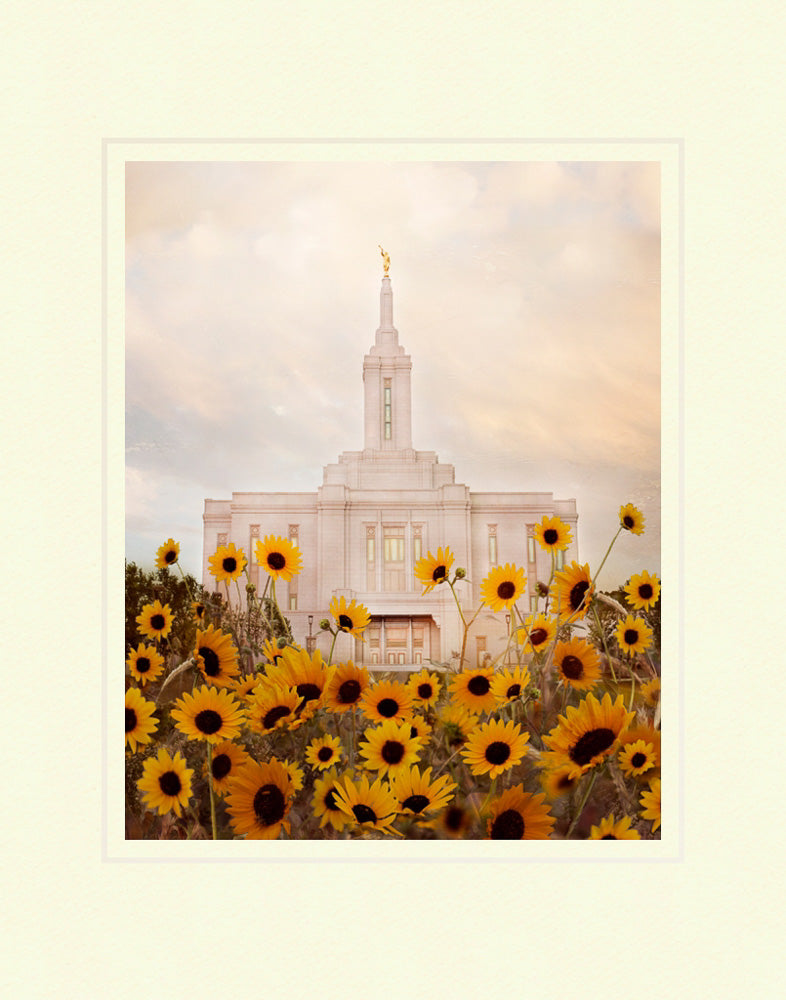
376, 513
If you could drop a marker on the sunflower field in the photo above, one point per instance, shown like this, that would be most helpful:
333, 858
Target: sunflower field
235, 731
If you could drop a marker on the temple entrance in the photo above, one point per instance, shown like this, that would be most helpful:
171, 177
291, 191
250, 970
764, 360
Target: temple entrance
398, 642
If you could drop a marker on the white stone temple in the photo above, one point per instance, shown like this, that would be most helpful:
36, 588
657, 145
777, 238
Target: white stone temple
376, 513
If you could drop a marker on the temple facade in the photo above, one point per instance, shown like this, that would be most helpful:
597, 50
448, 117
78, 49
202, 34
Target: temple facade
376, 513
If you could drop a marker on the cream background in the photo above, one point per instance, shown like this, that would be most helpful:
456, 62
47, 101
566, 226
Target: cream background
77, 74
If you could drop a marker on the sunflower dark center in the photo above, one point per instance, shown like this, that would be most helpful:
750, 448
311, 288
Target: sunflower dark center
157, 622
364, 813
325, 753
308, 691
142, 664
506, 590
628, 521
645, 591
565, 782
497, 752
274, 714
170, 783
589, 745
577, 593
417, 803
439, 574
425, 691
229, 564
513, 691
269, 805
631, 636
130, 720
572, 667
349, 692
208, 721
345, 622
609, 836
170, 556
222, 765
330, 799
276, 560
387, 707
212, 665
509, 825
478, 685
537, 636
638, 759
200, 610
454, 817
550, 536
392, 751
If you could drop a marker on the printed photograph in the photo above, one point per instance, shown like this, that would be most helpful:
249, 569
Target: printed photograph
393, 500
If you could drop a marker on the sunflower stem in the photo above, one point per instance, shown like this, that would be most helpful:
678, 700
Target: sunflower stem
583, 803
185, 581
603, 561
210, 786
332, 646
632, 687
603, 640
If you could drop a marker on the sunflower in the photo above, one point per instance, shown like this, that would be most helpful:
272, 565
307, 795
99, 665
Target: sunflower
552, 534
279, 557
352, 618
632, 519
472, 689
503, 586
227, 759
258, 800
495, 747
346, 686
274, 706
387, 700
271, 651
144, 664
418, 794
324, 804
165, 783
633, 635
454, 822
216, 656
211, 714
611, 829
648, 733
155, 620
370, 805
424, 688
295, 773
390, 747
418, 727
227, 563
140, 724
539, 630
306, 673
323, 752
577, 663
587, 735
433, 570
167, 554
643, 590
571, 591
198, 610
650, 692
510, 683
458, 722
650, 802
557, 781
519, 815
245, 685
636, 758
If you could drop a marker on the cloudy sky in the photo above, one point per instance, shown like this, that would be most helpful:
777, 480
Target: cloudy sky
527, 294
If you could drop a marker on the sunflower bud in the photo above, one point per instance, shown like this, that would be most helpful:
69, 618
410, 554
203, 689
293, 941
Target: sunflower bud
250, 588
281, 642
324, 624
460, 573
543, 590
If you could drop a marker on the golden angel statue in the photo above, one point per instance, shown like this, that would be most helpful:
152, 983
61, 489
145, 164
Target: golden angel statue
386, 259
